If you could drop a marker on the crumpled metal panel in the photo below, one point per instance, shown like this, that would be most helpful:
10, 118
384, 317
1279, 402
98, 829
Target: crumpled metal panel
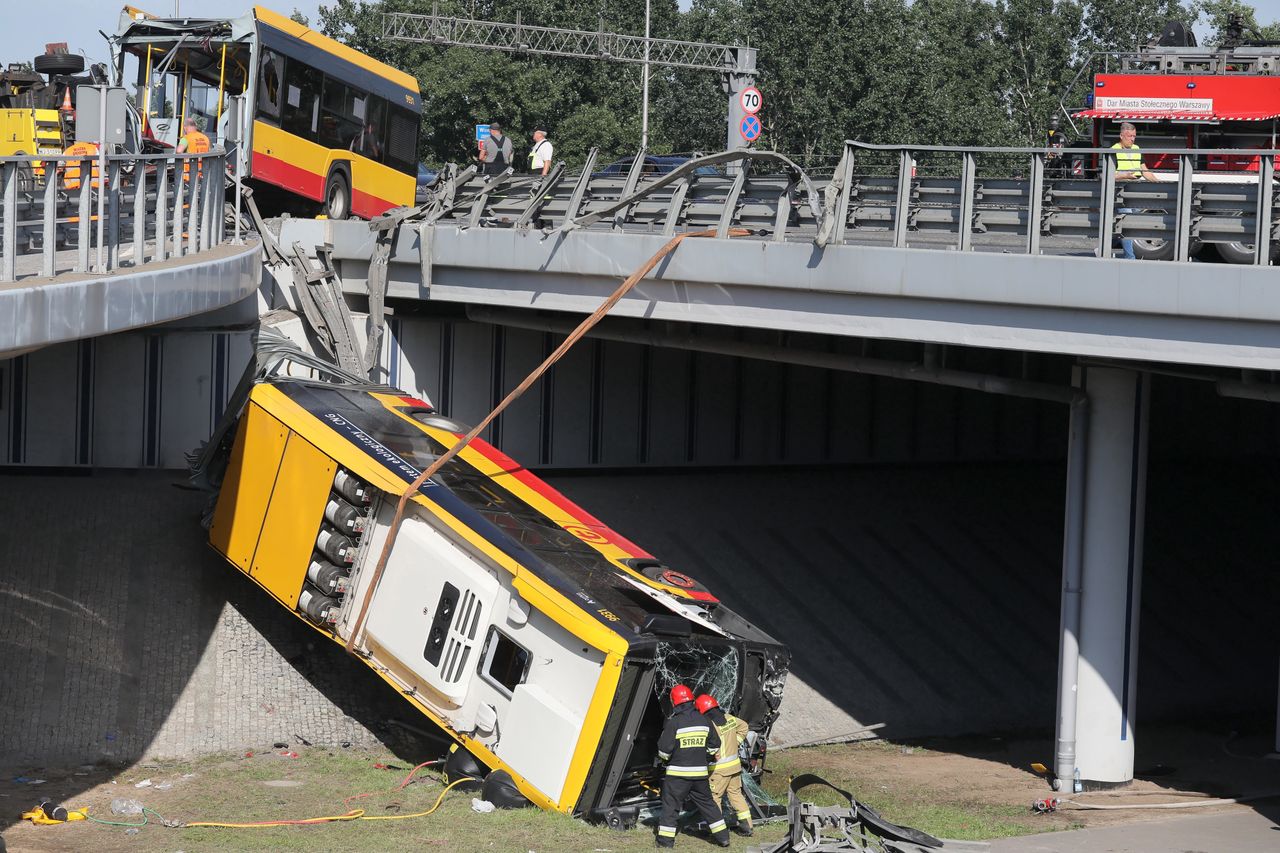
37, 315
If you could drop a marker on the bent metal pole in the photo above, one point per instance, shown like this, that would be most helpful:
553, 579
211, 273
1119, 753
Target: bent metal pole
568, 343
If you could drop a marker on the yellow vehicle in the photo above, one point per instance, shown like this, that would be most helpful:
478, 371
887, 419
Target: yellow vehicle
33, 110
538, 639
326, 123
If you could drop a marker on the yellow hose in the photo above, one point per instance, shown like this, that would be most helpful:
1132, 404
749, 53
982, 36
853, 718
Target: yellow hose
354, 814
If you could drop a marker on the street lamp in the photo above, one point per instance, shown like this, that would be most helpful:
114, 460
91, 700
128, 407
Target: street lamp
644, 108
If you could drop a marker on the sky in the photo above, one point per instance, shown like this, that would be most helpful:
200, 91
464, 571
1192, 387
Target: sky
77, 21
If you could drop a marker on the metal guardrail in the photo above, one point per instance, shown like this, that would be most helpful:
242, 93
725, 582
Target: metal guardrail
161, 205
1004, 199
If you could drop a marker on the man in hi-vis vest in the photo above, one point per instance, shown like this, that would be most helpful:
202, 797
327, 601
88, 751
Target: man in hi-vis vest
726, 772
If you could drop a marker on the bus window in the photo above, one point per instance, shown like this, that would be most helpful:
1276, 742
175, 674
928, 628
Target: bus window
505, 662
371, 113
269, 84
301, 108
402, 141
338, 127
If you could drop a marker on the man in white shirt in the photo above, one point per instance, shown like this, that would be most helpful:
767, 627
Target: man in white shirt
541, 153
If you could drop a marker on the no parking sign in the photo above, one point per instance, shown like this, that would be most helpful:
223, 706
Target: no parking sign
750, 128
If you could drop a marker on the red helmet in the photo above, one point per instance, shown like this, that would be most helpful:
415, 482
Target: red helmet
705, 703
680, 694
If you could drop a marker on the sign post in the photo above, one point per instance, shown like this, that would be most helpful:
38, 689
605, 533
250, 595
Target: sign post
735, 84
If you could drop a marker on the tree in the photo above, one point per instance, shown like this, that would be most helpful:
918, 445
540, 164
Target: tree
1041, 39
1216, 14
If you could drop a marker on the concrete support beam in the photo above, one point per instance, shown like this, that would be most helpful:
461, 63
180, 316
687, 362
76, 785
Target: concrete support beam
1109, 592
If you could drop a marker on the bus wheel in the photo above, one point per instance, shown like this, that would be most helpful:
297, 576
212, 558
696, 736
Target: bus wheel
337, 197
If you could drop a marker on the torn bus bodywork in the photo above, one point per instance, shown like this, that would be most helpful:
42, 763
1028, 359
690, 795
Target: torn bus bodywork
538, 639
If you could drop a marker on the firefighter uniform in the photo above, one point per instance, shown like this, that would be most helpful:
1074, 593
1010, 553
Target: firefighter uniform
71, 172
726, 772
687, 744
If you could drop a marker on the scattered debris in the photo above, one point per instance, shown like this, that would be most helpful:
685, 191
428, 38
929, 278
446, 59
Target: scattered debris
145, 783
482, 806
288, 753
246, 755
346, 744
301, 739
280, 745
164, 786
852, 827
27, 780
283, 783
122, 806
131, 831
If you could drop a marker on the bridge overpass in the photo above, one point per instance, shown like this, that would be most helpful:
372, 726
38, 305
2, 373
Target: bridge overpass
854, 274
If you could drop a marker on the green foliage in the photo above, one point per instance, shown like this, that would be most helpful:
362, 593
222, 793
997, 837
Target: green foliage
947, 72
1216, 12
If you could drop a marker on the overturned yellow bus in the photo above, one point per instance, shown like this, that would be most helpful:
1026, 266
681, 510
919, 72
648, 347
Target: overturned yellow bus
541, 641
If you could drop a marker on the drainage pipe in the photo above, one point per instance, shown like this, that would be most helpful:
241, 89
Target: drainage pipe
1072, 577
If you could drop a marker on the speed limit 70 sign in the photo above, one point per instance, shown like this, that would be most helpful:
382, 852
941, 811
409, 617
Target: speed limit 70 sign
750, 100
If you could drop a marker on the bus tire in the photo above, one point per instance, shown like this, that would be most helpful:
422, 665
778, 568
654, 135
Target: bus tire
337, 196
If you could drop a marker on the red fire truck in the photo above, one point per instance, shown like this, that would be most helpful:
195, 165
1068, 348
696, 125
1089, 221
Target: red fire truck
1183, 96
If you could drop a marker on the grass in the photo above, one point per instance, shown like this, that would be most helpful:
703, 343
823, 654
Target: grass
233, 789
943, 815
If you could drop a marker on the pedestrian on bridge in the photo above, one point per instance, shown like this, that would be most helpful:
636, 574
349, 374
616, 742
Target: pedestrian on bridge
541, 153
495, 151
1129, 167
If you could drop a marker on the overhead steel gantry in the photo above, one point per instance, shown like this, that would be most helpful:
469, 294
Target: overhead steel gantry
735, 62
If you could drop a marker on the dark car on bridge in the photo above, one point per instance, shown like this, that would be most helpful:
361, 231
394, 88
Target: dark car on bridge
653, 165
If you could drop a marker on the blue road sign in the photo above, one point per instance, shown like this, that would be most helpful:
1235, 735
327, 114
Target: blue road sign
482, 132
750, 128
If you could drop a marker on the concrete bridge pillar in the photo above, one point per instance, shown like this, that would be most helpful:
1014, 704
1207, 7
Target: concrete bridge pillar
1109, 538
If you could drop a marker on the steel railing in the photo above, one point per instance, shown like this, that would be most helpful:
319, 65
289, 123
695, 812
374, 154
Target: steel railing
141, 209
1031, 200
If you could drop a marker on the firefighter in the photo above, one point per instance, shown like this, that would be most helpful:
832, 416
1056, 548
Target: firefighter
726, 772
71, 169
687, 745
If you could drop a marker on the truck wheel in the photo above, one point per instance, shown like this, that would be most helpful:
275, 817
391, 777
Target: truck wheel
1153, 250
1235, 253
337, 196
58, 63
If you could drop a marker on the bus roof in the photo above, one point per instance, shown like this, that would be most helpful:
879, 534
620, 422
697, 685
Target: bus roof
355, 57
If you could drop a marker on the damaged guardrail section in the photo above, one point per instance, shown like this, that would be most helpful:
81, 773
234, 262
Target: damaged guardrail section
543, 643
1023, 200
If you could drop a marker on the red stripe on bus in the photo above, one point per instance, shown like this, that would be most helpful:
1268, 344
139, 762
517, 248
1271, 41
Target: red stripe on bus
273, 170
369, 205
580, 515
